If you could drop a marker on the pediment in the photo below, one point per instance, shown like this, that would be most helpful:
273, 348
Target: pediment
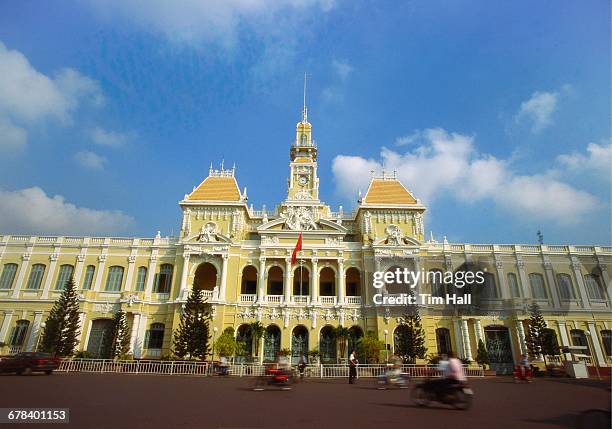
203, 238
397, 242
322, 225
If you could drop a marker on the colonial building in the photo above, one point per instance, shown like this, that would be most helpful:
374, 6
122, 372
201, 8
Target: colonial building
241, 257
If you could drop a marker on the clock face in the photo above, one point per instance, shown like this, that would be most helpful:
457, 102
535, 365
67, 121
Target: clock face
303, 180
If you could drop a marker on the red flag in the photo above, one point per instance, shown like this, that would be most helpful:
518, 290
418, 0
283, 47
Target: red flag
298, 247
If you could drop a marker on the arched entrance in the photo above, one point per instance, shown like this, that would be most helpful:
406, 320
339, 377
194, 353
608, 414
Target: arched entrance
101, 339
327, 345
355, 334
205, 276
300, 281
245, 336
394, 288
402, 337
299, 343
353, 282
327, 282
249, 280
443, 341
499, 349
272, 341
275, 281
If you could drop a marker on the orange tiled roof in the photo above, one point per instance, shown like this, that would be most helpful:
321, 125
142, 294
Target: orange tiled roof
384, 191
216, 189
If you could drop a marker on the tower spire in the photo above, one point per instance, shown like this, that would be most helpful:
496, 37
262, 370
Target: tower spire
305, 109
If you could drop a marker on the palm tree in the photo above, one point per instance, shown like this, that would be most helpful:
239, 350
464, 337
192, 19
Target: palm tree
342, 335
257, 331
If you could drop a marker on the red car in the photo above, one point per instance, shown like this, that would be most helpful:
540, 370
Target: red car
29, 362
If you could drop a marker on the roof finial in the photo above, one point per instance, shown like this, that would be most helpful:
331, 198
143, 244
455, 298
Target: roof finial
305, 109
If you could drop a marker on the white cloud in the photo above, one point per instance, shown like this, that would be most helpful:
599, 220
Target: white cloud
32, 211
90, 160
104, 137
596, 162
12, 138
538, 111
342, 68
449, 164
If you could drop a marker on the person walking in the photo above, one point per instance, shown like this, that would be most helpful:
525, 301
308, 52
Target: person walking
353, 362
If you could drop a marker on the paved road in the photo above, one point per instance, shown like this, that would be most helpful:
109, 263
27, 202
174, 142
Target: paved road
145, 401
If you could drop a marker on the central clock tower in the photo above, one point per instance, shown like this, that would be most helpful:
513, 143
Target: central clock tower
303, 181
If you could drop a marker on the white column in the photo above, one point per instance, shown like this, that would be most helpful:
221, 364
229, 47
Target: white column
520, 264
580, 282
223, 278
261, 283
6, 323
552, 284
34, 332
99, 272
340, 282
86, 342
465, 336
130, 272
478, 331
287, 285
458, 338
564, 337
520, 330
184, 273
606, 280
134, 332
601, 360
501, 280
138, 344
21, 276
151, 275
78, 270
314, 282
50, 275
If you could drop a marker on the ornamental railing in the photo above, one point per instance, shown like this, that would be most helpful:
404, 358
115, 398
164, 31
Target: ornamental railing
201, 368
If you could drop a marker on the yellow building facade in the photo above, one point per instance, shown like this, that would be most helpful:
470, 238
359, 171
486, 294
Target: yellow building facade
241, 257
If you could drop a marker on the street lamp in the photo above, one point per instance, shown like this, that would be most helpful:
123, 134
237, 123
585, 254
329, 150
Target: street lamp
386, 347
590, 339
42, 327
215, 329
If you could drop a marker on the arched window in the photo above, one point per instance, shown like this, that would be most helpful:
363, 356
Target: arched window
249, 281
8, 275
579, 339
436, 279
594, 287
538, 289
606, 339
301, 276
353, 282
65, 274
164, 279
89, 276
489, 288
443, 340
327, 345
327, 285
275, 281
141, 278
114, 279
205, 277
513, 286
19, 333
36, 275
566, 290
155, 336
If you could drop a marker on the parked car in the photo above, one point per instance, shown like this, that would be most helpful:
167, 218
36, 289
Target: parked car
28, 362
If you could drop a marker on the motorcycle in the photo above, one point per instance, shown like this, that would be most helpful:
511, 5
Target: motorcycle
522, 374
274, 377
458, 394
401, 381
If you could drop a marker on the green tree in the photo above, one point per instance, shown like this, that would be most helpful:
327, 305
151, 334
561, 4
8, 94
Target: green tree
342, 335
536, 332
60, 335
226, 345
369, 347
257, 331
121, 336
191, 336
410, 337
482, 355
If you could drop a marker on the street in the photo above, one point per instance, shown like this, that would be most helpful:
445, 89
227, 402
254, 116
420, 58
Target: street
145, 401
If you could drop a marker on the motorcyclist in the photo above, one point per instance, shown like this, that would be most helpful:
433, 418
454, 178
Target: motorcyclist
394, 368
302, 365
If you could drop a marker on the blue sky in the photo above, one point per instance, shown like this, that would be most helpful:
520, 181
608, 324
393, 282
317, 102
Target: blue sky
495, 114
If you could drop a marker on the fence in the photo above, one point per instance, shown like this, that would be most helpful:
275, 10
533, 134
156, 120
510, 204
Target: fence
240, 370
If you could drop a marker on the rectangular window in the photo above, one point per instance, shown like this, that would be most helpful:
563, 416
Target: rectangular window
593, 287
89, 276
36, 275
566, 290
140, 279
64, 275
8, 275
513, 285
114, 279
537, 286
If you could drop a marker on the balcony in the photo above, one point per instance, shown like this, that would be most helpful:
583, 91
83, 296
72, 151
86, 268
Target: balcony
247, 298
353, 300
327, 300
274, 299
300, 299
208, 294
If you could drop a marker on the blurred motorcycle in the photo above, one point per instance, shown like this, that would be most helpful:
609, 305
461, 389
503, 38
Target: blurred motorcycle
457, 394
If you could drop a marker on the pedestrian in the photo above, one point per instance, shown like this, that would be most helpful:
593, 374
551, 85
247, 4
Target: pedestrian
353, 362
